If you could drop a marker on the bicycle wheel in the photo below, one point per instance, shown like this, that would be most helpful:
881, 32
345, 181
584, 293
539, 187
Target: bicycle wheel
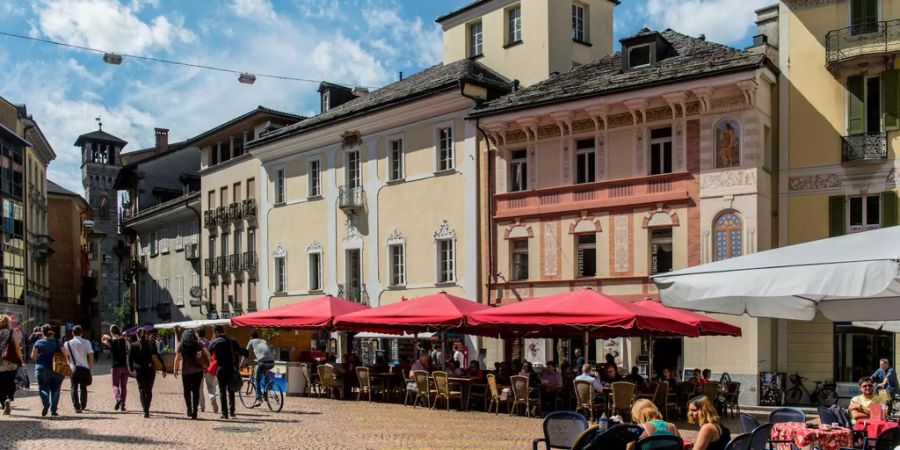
275, 397
827, 397
793, 396
248, 394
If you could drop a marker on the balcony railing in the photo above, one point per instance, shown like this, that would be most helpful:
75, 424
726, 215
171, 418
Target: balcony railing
354, 293
604, 194
209, 218
209, 267
248, 207
234, 263
351, 198
222, 215
234, 211
864, 147
867, 39
248, 261
220, 265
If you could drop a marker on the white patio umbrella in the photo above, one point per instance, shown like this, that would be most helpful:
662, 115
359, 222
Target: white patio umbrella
890, 327
855, 277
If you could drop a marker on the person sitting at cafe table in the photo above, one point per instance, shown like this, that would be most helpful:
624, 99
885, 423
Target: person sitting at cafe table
611, 375
586, 376
712, 434
697, 382
861, 405
551, 384
420, 364
635, 377
666, 377
474, 372
647, 415
453, 369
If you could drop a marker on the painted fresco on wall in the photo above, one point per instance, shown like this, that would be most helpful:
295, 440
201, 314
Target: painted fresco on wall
728, 143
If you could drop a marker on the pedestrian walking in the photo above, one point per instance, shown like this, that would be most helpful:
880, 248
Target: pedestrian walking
142, 367
81, 361
49, 381
191, 358
227, 352
10, 361
118, 349
209, 376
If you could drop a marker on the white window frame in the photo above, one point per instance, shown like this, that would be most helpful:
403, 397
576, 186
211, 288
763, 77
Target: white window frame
397, 270
649, 54
314, 183
513, 25
865, 226
280, 278
513, 166
579, 22
396, 157
446, 266
585, 151
179, 290
438, 142
195, 281
350, 180
236, 237
279, 188
179, 239
475, 46
513, 252
314, 272
661, 142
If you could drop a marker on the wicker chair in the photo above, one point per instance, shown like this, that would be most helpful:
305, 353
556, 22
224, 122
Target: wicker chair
623, 397
711, 391
521, 391
365, 383
584, 398
312, 385
494, 392
423, 390
442, 383
661, 398
732, 396
477, 391
329, 383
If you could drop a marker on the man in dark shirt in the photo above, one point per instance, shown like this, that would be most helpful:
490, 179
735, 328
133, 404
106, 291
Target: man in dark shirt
611, 375
227, 352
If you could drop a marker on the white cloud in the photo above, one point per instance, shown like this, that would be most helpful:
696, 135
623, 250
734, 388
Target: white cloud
107, 25
321, 9
256, 9
724, 21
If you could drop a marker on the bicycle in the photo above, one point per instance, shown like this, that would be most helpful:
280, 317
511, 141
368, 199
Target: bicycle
272, 395
823, 394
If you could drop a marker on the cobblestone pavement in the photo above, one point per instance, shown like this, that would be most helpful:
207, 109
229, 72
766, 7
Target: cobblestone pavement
305, 423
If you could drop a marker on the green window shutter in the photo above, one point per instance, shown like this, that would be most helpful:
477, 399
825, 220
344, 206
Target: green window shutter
870, 14
857, 12
837, 212
856, 108
889, 209
891, 100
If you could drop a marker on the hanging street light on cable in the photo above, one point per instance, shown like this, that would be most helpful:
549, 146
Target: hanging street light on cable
247, 78
112, 58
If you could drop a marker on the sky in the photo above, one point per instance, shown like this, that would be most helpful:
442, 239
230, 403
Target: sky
351, 42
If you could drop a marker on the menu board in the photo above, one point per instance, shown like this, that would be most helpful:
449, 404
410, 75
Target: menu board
771, 388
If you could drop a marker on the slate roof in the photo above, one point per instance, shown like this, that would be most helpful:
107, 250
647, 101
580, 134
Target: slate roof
687, 58
99, 135
53, 188
259, 110
438, 78
477, 3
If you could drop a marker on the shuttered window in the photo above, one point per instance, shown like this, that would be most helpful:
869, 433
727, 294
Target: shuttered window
837, 221
855, 104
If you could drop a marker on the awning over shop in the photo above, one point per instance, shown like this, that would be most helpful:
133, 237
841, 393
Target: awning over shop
705, 325
318, 313
435, 312
190, 324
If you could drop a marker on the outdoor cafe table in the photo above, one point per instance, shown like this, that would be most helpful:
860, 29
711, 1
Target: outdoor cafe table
873, 427
385, 379
803, 436
464, 382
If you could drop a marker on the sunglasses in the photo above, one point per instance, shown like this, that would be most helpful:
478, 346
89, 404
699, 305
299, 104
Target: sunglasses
867, 386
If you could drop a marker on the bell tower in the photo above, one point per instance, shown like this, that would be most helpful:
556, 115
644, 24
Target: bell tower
100, 165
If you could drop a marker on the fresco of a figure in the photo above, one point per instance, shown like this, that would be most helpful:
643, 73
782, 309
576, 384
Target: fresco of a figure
728, 143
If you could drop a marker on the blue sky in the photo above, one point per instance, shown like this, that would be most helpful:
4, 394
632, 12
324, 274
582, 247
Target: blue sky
355, 42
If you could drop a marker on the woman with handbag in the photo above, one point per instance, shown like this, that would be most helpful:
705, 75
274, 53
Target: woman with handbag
192, 358
48, 369
118, 347
10, 361
143, 369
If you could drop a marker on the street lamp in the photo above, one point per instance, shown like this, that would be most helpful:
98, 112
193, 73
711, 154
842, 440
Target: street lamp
112, 58
247, 78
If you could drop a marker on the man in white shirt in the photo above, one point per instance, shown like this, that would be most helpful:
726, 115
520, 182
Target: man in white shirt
81, 361
459, 356
586, 376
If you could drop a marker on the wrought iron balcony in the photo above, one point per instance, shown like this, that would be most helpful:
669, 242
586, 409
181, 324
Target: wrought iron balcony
248, 261
353, 293
351, 198
209, 267
209, 218
867, 39
222, 215
234, 211
234, 263
220, 265
248, 207
864, 147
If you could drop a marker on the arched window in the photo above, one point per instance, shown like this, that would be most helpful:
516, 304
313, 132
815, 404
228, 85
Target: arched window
728, 236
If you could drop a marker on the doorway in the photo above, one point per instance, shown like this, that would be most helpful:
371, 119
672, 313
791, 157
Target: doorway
668, 354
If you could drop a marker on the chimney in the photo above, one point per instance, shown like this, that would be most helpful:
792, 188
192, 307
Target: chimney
162, 140
360, 91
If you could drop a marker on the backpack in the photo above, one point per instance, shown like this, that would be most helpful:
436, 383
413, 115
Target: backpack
842, 415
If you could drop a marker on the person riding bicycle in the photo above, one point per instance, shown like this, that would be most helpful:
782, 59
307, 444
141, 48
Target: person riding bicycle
259, 348
886, 378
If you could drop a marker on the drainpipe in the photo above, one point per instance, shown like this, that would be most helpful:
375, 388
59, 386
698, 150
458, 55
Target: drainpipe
199, 250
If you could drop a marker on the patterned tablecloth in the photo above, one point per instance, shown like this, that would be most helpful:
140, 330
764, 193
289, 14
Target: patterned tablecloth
873, 427
803, 436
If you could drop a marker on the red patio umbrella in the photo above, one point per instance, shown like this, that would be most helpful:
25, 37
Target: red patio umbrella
583, 312
433, 312
316, 313
707, 326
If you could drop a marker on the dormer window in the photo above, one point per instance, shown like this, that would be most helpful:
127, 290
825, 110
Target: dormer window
326, 99
639, 56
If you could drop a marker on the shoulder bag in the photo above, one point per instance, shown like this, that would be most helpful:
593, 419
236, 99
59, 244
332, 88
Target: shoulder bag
81, 375
9, 357
60, 365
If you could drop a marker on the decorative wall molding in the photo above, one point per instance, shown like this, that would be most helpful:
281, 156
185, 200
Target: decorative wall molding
892, 176
728, 179
801, 4
444, 232
279, 252
315, 247
594, 221
622, 244
526, 230
813, 182
352, 231
396, 238
550, 250
671, 220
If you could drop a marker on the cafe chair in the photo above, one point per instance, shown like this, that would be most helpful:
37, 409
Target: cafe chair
887, 440
494, 392
739, 442
424, 393
586, 437
660, 398
623, 397
477, 391
826, 415
442, 384
732, 396
660, 443
365, 383
312, 385
711, 391
782, 415
748, 422
761, 439
329, 383
616, 437
584, 398
521, 397
561, 429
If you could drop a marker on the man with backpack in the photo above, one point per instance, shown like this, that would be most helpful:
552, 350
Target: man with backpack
227, 352
81, 361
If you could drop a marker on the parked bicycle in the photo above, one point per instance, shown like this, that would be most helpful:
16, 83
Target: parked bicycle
824, 393
272, 393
